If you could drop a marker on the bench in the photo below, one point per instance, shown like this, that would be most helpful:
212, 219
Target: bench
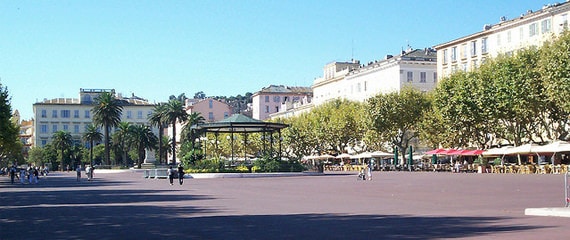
158, 173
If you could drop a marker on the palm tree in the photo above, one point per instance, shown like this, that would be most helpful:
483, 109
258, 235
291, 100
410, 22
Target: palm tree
92, 135
189, 134
123, 133
158, 119
175, 113
166, 146
107, 113
62, 140
143, 138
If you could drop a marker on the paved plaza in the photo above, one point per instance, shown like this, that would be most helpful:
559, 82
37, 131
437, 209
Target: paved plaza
394, 205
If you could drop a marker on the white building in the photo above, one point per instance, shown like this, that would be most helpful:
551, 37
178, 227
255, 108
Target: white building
271, 99
74, 114
352, 81
531, 28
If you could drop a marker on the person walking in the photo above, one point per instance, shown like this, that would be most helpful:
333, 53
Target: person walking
180, 174
170, 172
12, 173
88, 172
78, 170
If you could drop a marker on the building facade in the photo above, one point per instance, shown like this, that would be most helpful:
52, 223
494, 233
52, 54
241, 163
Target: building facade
352, 81
269, 100
530, 29
211, 109
74, 114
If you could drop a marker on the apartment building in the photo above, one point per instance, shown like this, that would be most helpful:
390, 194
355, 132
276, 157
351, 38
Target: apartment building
211, 109
352, 81
74, 114
530, 29
270, 99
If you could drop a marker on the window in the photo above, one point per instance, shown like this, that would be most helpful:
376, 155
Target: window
43, 128
444, 56
139, 115
532, 29
266, 98
498, 39
454, 54
44, 113
358, 87
423, 77
435, 77
87, 113
521, 34
410, 76
44, 142
545, 26
75, 113
65, 113
76, 128
276, 108
54, 113
276, 99
473, 48
463, 51
211, 103
54, 128
266, 109
66, 127
483, 45
211, 116
226, 114
129, 114
509, 37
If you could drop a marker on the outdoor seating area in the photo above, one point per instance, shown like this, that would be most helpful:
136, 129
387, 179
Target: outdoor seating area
552, 158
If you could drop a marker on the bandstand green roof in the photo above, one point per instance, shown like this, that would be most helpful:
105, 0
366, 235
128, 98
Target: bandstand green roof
239, 123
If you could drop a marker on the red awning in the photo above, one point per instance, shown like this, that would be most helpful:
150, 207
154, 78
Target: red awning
473, 152
436, 151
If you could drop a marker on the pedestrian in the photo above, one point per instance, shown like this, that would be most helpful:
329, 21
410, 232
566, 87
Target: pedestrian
78, 169
35, 174
22, 176
180, 174
88, 172
369, 172
12, 173
67, 168
170, 172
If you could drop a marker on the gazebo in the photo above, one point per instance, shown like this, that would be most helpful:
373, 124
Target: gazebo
239, 123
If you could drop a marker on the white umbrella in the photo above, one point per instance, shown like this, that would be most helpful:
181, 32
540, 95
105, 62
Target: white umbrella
497, 151
344, 155
554, 147
362, 155
380, 154
529, 148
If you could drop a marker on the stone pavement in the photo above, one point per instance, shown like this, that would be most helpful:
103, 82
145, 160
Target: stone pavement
394, 205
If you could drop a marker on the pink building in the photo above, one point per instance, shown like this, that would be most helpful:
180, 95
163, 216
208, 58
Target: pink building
270, 99
212, 110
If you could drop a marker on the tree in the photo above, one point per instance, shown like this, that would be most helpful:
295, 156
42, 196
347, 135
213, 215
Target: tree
107, 113
62, 140
143, 138
189, 134
395, 116
122, 137
518, 99
175, 113
158, 118
92, 135
10, 146
554, 68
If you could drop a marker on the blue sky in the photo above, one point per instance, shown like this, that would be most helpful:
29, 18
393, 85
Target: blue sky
154, 49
